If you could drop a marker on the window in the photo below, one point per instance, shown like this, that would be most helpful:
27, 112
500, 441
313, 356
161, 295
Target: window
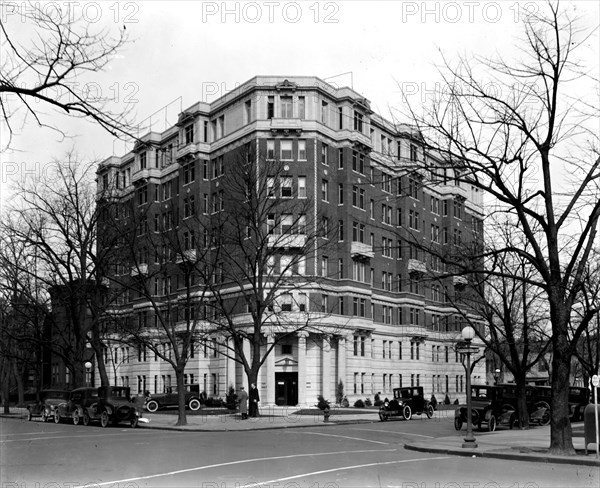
413, 187
324, 303
324, 113
270, 149
358, 162
341, 230
325, 190
358, 121
248, 111
386, 214
189, 134
286, 149
340, 118
143, 160
301, 108
143, 195
341, 194
358, 232
457, 208
325, 227
340, 268
340, 158
286, 107
413, 219
413, 152
270, 107
301, 186
302, 150
358, 197
188, 240
324, 151
189, 173
359, 271
188, 206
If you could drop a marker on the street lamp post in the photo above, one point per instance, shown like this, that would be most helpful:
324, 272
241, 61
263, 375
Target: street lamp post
468, 333
497, 376
88, 368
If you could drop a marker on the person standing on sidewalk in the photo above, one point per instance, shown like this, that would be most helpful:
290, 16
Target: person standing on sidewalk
243, 399
254, 399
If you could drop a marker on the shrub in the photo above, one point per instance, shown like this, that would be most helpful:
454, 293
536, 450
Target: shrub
378, 401
214, 402
345, 403
231, 398
339, 392
322, 403
368, 402
447, 400
359, 403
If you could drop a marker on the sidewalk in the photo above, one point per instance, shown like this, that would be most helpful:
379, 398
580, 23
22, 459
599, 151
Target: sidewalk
528, 445
518, 445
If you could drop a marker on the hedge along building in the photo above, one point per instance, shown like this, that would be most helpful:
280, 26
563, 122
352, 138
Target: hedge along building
363, 303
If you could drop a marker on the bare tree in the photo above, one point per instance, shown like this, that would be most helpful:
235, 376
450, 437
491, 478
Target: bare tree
57, 218
514, 130
264, 238
46, 52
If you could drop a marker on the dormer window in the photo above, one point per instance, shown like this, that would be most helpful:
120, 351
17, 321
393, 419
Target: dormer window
358, 121
286, 107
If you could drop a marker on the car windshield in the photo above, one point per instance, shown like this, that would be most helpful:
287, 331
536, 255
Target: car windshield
479, 392
119, 393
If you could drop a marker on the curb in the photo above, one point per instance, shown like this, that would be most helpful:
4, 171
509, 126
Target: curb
521, 456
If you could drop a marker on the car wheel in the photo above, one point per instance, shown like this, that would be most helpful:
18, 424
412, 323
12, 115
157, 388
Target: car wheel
76, 418
44, 416
545, 420
429, 411
513, 421
492, 424
104, 419
56, 417
29, 415
406, 412
134, 422
194, 404
383, 417
86, 418
152, 406
458, 423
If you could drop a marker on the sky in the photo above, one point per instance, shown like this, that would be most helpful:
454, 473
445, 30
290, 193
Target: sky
183, 52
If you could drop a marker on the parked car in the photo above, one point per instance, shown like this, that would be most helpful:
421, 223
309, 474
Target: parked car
170, 398
79, 396
113, 404
483, 398
45, 407
537, 399
407, 402
579, 398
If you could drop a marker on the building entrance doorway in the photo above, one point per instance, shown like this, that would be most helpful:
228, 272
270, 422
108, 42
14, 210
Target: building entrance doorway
286, 388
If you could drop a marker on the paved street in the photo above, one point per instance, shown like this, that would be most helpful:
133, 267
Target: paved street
349, 455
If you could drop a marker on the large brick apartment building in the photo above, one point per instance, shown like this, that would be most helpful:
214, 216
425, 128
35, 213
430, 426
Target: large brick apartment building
389, 323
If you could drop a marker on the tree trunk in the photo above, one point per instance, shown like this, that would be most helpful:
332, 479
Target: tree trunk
181, 413
561, 441
97, 346
522, 413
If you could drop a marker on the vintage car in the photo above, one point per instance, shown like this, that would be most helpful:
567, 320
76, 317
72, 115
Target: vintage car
171, 398
579, 398
497, 405
406, 402
77, 398
113, 405
45, 407
482, 399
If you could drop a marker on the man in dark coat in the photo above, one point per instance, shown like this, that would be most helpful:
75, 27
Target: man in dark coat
243, 399
254, 399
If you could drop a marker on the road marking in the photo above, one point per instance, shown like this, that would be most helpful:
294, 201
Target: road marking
345, 437
67, 437
231, 463
33, 433
314, 473
397, 433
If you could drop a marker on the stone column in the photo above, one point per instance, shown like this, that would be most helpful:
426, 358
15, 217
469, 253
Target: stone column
269, 395
326, 369
302, 368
